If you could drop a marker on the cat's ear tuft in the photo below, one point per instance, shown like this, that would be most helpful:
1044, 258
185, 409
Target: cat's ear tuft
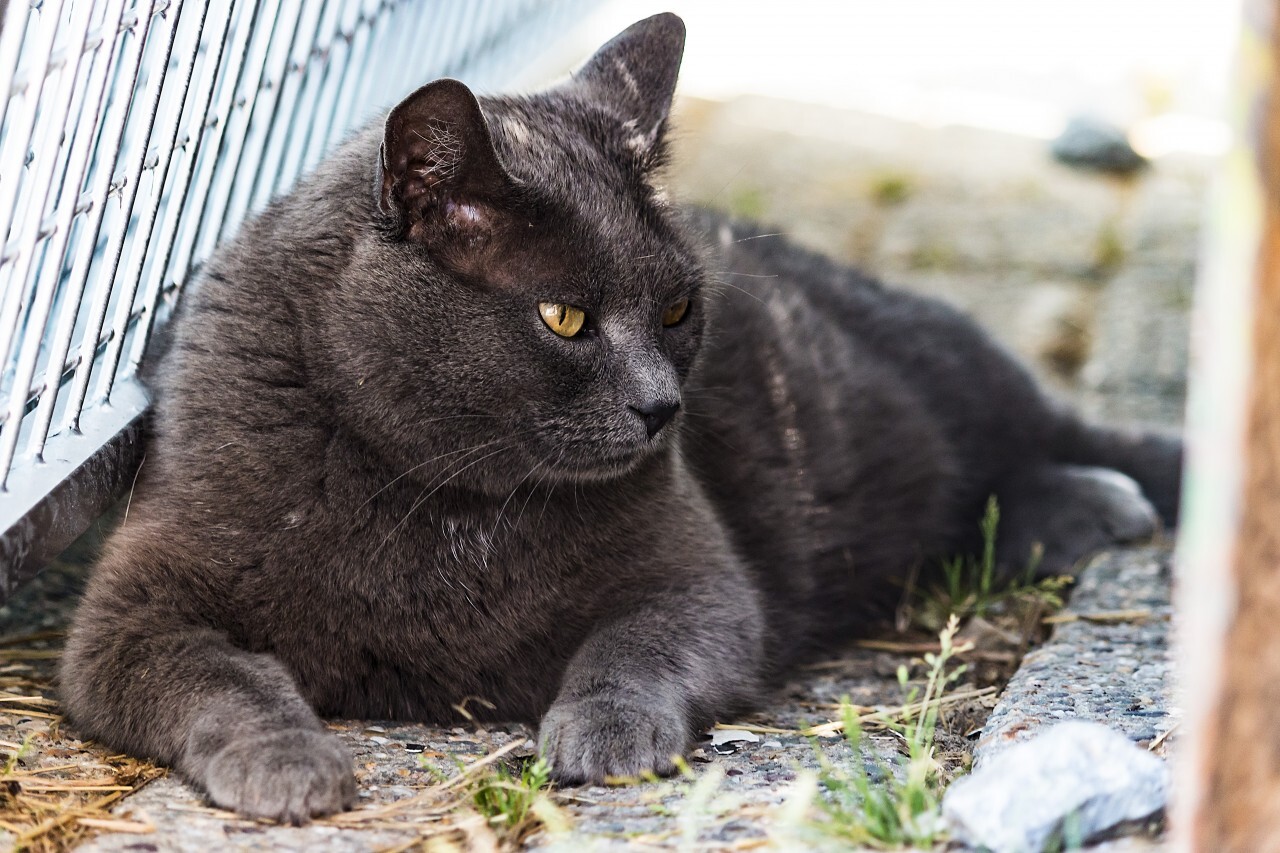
636, 74
437, 162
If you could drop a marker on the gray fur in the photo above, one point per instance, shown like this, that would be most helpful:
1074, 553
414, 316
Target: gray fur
377, 484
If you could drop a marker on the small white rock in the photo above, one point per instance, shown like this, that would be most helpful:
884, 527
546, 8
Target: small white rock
1078, 772
723, 736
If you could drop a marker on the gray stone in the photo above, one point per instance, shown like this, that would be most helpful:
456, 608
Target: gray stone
1091, 143
1071, 783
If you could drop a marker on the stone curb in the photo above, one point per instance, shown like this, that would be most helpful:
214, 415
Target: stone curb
1110, 663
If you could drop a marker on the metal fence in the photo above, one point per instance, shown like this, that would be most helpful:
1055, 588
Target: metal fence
135, 135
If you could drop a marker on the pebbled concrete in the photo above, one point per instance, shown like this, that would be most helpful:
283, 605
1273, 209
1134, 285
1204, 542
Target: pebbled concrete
1112, 664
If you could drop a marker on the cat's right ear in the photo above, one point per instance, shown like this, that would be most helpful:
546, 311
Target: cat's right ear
438, 172
636, 73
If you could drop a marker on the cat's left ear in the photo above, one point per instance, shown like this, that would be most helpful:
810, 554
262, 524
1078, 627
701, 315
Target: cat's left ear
636, 73
437, 166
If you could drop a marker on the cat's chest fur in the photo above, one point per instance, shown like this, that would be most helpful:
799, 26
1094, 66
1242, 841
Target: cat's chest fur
406, 604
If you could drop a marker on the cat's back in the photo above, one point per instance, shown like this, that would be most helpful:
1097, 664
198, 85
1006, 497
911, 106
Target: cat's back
838, 326
835, 423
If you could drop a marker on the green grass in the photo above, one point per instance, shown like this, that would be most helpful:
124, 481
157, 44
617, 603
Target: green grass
747, 202
932, 254
900, 805
514, 803
1108, 248
11, 764
890, 188
971, 587
518, 803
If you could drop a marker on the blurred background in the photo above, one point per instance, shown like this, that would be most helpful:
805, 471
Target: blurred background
915, 139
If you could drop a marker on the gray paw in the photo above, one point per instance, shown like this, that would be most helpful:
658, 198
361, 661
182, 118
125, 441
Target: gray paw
587, 740
288, 776
1071, 511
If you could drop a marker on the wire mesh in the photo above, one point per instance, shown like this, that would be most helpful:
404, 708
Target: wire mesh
135, 135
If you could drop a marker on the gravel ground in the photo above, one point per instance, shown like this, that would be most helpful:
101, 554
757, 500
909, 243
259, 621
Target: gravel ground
1088, 278
741, 806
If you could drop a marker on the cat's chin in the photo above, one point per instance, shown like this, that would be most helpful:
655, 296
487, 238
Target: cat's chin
607, 465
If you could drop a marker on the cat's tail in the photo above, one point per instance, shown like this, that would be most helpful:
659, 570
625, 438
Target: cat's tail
1153, 458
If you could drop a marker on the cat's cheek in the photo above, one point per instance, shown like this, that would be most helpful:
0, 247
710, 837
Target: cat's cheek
465, 249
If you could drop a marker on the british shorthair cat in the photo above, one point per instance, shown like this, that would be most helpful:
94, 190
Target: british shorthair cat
469, 413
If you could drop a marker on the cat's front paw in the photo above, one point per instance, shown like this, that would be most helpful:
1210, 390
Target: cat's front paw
588, 740
289, 776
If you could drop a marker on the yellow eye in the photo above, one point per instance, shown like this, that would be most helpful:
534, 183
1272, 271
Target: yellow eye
565, 320
675, 312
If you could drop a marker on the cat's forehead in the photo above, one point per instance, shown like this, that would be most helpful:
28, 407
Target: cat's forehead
566, 146
613, 220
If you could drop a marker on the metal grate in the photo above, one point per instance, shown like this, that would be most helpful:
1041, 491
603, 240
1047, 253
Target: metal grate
135, 135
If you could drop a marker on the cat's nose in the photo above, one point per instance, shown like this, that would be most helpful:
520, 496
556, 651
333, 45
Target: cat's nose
655, 414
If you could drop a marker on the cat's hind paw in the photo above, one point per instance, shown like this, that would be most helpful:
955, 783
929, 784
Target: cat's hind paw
288, 776
1068, 512
591, 740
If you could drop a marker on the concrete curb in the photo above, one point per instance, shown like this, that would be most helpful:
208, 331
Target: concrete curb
1110, 663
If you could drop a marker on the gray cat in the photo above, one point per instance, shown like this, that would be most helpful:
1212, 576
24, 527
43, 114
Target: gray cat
469, 414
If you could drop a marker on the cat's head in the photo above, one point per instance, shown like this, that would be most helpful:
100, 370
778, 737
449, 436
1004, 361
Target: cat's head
528, 293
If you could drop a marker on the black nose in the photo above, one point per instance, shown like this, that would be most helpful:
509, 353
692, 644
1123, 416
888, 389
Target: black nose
655, 414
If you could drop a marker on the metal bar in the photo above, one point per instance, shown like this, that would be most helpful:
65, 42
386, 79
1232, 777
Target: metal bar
362, 40
460, 52
384, 32
308, 32
16, 146
261, 122
210, 126
18, 135
16, 16
148, 226
132, 48
333, 65
62, 497
60, 56
43, 288
213, 132
304, 107
36, 395
115, 245
441, 28
237, 126
61, 232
